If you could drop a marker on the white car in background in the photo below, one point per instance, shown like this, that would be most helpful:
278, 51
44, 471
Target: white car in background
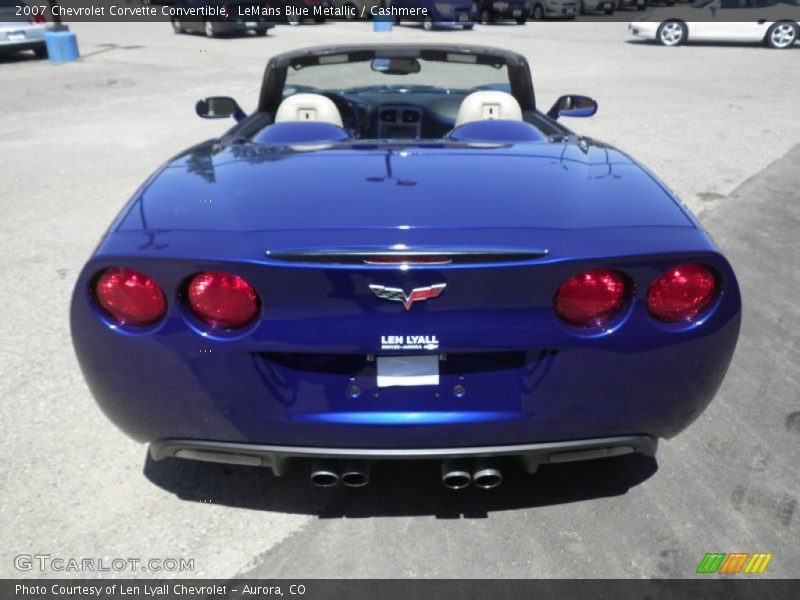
18, 32
768, 21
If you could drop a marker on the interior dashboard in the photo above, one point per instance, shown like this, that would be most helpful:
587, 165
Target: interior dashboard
397, 115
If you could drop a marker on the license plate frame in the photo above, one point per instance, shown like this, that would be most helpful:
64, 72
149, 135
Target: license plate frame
407, 370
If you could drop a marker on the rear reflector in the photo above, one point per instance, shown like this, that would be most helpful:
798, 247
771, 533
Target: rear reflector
591, 298
222, 300
682, 293
130, 297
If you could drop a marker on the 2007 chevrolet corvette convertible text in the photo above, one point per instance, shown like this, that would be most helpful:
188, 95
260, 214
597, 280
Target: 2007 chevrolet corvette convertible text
398, 255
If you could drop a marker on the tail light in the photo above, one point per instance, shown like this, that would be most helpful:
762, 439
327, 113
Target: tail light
222, 300
130, 297
682, 293
37, 20
591, 298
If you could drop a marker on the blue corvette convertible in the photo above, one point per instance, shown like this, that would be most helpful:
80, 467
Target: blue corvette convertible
400, 255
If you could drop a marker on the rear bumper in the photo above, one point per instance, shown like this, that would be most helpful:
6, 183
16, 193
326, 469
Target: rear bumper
278, 458
20, 46
230, 27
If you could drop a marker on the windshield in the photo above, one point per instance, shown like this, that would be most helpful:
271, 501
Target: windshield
371, 77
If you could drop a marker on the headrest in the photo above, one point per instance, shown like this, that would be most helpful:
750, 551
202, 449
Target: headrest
496, 131
306, 132
487, 105
308, 107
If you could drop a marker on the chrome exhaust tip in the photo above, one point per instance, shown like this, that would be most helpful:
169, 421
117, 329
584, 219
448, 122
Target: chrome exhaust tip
455, 475
486, 475
324, 473
355, 473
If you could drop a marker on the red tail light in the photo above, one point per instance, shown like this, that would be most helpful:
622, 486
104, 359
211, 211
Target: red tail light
37, 20
591, 298
682, 293
130, 297
222, 300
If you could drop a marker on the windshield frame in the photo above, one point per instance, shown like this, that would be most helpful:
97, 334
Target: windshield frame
519, 74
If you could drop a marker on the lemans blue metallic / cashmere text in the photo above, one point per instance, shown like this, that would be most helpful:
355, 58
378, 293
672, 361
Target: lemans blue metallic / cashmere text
399, 255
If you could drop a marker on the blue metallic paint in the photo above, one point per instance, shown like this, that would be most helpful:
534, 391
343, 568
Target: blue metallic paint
301, 374
528, 377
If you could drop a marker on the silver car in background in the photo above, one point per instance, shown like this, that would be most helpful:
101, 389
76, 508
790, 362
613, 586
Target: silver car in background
553, 9
20, 32
605, 6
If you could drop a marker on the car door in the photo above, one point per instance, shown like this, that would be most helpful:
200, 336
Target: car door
727, 20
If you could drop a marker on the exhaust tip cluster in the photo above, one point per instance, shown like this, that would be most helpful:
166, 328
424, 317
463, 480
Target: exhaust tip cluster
456, 474
459, 474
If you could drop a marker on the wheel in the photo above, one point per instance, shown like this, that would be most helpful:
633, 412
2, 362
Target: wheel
427, 24
397, 20
521, 20
293, 20
208, 29
781, 35
671, 33
261, 32
40, 51
176, 26
609, 11
641, 5
538, 12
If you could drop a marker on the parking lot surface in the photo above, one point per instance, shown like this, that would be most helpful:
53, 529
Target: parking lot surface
720, 125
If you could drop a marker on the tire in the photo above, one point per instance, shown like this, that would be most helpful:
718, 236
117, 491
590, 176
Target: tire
427, 24
538, 12
176, 26
781, 35
294, 20
671, 33
261, 32
609, 11
208, 29
521, 21
641, 5
582, 8
319, 20
40, 51
469, 26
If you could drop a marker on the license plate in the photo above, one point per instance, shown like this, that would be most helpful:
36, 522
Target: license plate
518, 13
15, 36
570, 11
250, 23
606, 6
462, 17
407, 370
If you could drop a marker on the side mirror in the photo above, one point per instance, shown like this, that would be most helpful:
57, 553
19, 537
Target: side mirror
219, 107
573, 105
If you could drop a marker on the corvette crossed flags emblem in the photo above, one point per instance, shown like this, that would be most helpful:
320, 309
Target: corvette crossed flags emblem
399, 295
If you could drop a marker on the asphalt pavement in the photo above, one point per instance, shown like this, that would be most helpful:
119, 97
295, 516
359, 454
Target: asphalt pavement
720, 124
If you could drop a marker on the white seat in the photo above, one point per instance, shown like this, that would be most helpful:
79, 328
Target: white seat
488, 105
308, 107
